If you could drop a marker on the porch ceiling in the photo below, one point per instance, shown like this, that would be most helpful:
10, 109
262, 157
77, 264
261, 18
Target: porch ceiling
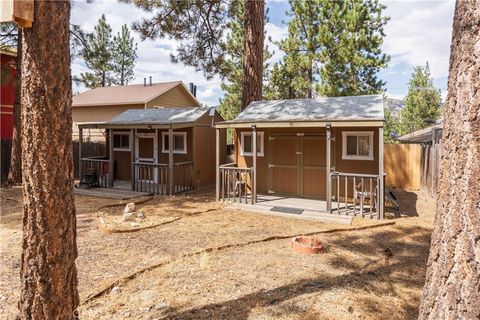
298, 124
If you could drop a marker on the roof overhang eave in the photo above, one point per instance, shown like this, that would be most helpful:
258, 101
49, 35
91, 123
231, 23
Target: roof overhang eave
301, 124
103, 125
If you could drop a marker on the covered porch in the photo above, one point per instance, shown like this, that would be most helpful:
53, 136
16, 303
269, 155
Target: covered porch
147, 151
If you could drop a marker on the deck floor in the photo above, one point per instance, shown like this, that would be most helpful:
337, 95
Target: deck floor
314, 210
121, 190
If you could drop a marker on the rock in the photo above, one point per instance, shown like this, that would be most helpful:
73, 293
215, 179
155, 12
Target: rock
140, 215
161, 305
135, 224
128, 216
115, 289
130, 207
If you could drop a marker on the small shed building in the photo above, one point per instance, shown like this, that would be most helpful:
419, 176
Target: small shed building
330, 149
159, 150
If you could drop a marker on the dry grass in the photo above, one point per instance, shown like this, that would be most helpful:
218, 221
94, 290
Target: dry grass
369, 274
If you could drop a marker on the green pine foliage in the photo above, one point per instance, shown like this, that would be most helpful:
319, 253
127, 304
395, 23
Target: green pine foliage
422, 103
391, 128
123, 57
332, 49
110, 60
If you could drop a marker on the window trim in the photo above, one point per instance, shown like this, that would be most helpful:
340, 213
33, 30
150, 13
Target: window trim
369, 134
260, 149
185, 149
122, 133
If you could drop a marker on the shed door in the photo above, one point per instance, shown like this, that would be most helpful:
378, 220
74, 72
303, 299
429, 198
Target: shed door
297, 165
146, 153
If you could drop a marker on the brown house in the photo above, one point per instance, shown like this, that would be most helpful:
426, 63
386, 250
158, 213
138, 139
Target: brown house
102, 104
159, 150
328, 149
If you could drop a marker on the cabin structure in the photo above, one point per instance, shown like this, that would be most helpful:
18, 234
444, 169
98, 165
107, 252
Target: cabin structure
158, 150
104, 103
293, 151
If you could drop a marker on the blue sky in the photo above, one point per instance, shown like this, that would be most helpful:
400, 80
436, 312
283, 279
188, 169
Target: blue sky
418, 31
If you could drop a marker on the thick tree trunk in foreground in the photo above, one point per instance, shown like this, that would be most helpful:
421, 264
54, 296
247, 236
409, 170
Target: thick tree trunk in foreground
15, 170
48, 273
452, 289
253, 51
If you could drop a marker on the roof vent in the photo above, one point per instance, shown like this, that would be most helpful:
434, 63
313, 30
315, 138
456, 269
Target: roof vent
144, 82
193, 89
150, 81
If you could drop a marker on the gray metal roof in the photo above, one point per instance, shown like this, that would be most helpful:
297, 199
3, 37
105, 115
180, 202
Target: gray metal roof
355, 108
158, 116
420, 136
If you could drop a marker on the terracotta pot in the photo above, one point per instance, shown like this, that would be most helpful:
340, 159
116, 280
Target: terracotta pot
308, 245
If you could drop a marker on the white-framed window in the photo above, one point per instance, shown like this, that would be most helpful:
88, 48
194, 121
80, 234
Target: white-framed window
179, 142
357, 145
246, 143
121, 141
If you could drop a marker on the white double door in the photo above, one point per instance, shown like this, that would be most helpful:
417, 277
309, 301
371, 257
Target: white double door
146, 152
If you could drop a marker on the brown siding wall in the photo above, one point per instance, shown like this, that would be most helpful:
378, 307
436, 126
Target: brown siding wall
354, 166
349, 166
178, 96
205, 150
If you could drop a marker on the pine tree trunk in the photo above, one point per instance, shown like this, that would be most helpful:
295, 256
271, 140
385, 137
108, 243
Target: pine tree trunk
15, 170
253, 52
48, 273
452, 288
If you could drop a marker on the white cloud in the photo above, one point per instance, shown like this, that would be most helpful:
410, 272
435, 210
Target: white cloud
275, 33
420, 31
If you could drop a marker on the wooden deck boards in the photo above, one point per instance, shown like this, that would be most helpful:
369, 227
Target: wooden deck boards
112, 193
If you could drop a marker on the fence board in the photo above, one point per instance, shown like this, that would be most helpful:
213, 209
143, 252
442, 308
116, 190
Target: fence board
403, 165
89, 149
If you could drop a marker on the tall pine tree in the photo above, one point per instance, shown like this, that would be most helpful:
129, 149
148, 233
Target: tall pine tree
332, 48
231, 70
124, 55
97, 55
422, 103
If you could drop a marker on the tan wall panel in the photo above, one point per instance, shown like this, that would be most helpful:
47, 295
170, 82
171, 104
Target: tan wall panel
403, 165
178, 96
100, 113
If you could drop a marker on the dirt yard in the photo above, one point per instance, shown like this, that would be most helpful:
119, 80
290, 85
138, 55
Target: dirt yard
200, 261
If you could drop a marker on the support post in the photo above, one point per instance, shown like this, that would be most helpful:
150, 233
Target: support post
381, 187
217, 164
328, 168
254, 151
110, 163
170, 161
132, 157
80, 141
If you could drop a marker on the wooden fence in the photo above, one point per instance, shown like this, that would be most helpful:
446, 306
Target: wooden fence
412, 166
89, 149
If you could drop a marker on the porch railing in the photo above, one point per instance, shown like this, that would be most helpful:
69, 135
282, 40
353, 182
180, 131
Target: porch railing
182, 176
235, 183
96, 171
150, 177
355, 194
155, 178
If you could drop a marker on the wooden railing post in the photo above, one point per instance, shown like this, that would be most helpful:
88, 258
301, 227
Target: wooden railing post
254, 151
217, 164
381, 188
110, 163
80, 141
132, 157
170, 161
328, 169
